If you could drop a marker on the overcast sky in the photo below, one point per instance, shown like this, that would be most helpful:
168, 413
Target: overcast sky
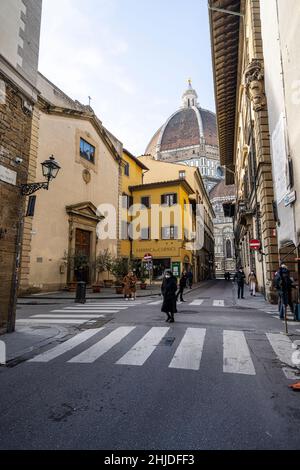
133, 57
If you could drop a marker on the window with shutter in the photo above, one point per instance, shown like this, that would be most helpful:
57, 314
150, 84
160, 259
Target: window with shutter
31, 206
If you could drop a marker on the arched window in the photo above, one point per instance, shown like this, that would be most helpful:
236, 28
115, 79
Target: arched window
228, 249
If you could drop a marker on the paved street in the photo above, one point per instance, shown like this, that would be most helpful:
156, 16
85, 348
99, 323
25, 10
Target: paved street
122, 378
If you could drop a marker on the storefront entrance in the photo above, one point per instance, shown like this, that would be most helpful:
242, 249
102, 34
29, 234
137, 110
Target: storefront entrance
83, 251
159, 267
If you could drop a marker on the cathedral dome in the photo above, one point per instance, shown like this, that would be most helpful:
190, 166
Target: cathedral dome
190, 126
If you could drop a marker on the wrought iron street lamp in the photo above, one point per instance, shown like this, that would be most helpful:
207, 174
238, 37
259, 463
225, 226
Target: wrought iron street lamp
50, 170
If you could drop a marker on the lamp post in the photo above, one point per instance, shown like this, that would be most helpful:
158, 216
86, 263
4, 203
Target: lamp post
50, 170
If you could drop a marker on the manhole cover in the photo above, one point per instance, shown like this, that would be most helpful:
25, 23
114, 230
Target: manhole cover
168, 341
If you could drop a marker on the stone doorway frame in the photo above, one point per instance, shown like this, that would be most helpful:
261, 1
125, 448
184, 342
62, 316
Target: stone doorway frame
83, 216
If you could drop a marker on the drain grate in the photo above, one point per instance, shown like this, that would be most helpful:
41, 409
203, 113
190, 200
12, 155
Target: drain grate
168, 341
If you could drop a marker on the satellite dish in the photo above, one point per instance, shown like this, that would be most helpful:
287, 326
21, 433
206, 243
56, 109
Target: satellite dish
220, 172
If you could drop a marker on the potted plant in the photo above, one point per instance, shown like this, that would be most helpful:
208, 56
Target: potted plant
102, 264
108, 261
77, 263
119, 270
143, 284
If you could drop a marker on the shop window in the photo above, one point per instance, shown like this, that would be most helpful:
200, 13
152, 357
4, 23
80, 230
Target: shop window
87, 151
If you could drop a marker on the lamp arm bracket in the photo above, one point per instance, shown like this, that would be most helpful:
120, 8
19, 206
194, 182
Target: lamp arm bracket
28, 189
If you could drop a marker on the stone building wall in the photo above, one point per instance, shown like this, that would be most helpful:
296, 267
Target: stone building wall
15, 132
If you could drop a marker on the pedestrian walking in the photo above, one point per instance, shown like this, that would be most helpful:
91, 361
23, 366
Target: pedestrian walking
252, 280
182, 286
190, 277
168, 290
130, 282
240, 278
284, 285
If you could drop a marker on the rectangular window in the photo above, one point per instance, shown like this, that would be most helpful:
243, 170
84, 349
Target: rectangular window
127, 169
169, 233
145, 201
182, 175
169, 199
124, 230
127, 201
31, 206
145, 233
87, 151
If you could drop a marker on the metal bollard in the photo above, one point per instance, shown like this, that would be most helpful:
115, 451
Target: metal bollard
81, 293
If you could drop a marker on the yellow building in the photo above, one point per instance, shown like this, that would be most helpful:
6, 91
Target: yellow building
167, 187
132, 175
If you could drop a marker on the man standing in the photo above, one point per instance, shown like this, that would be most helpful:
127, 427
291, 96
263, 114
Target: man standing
190, 277
182, 286
240, 278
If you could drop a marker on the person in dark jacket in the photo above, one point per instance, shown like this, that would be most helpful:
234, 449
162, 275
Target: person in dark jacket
190, 279
240, 278
182, 286
284, 285
168, 290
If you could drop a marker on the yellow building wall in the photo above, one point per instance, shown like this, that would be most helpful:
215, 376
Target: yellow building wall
135, 178
173, 249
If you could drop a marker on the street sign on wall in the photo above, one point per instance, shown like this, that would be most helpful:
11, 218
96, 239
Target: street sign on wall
255, 245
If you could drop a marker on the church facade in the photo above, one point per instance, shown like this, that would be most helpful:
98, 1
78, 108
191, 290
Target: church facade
190, 137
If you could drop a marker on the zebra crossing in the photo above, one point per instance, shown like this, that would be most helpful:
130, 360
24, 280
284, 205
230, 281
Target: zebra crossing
185, 354
77, 314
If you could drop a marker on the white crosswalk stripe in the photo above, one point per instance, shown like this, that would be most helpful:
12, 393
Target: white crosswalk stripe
236, 354
65, 347
155, 303
104, 345
138, 355
218, 303
43, 321
83, 316
188, 355
197, 302
84, 311
189, 352
282, 347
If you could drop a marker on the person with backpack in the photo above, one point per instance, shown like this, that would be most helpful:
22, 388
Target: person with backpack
284, 286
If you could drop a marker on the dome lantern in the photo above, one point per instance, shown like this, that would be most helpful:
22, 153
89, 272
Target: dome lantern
190, 97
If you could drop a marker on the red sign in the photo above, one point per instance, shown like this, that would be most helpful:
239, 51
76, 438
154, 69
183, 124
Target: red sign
148, 257
255, 244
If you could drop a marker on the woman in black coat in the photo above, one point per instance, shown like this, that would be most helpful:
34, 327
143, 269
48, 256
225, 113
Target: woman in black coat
168, 289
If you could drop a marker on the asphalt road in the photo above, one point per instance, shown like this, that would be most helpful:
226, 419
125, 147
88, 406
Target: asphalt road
215, 379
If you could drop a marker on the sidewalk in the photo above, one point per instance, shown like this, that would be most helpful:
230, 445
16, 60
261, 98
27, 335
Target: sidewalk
105, 294
20, 344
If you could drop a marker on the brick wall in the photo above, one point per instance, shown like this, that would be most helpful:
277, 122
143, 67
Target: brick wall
15, 132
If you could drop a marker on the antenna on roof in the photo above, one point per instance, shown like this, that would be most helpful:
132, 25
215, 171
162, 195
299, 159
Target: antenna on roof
90, 99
